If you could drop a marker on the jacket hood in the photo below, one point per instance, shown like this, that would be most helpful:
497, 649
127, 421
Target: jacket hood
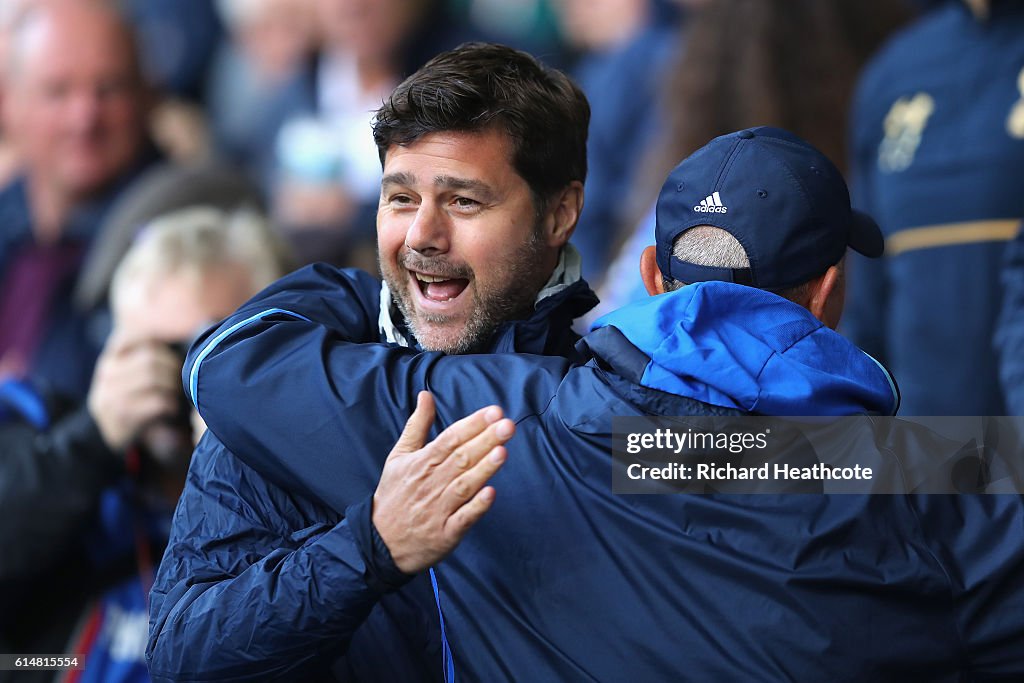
746, 349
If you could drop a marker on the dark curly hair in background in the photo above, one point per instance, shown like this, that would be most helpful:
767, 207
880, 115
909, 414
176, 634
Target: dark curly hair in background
786, 63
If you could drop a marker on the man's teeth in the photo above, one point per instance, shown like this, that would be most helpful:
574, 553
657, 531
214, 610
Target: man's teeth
422, 277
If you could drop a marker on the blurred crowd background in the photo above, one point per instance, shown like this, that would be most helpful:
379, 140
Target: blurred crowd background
269, 102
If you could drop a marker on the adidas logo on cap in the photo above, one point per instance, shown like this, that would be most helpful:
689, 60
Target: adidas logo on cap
711, 204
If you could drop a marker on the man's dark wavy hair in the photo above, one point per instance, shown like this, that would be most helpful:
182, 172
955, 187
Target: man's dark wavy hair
477, 86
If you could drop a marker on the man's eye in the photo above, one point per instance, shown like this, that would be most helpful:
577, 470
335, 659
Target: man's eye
401, 199
56, 91
112, 88
466, 203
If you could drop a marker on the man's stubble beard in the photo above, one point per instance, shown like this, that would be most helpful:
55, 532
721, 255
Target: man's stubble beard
520, 279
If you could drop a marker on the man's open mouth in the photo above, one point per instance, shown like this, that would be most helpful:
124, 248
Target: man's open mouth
439, 288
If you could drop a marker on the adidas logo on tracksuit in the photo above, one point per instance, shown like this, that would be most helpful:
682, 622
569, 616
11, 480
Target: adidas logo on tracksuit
711, 204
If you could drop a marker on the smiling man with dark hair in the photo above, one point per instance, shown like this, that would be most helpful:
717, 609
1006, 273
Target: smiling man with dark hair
484, 157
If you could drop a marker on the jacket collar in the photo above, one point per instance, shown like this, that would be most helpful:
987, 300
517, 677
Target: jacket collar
744, 349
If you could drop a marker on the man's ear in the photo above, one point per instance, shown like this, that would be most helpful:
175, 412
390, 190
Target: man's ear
650, 273
825, 298
563, 213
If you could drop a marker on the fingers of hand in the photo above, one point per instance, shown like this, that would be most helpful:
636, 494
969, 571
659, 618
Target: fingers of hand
467, 515
462, 432
133, 385
145, 369
417, 428
120, 417
468, 484
149, 406
466, 455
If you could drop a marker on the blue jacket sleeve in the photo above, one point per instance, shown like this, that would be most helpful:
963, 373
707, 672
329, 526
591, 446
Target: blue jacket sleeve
257, 584
1009, 339
292, 397
319, 415
346, 298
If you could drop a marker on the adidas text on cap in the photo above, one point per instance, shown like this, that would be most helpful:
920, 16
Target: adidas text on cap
782, 199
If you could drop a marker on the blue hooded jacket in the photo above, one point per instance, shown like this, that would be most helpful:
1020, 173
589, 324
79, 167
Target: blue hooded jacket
563, 580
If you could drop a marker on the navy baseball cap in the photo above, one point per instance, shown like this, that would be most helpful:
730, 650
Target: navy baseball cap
781, 198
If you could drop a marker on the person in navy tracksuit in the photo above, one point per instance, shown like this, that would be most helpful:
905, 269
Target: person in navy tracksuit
561, 580
484, 157
937, 151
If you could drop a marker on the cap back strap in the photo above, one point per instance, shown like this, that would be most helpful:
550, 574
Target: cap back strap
691, 272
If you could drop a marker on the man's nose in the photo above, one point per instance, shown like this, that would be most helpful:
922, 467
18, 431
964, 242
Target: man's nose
84, 111
429, 233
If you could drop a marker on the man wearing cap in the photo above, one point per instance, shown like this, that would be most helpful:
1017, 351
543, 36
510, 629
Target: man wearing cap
562, 580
